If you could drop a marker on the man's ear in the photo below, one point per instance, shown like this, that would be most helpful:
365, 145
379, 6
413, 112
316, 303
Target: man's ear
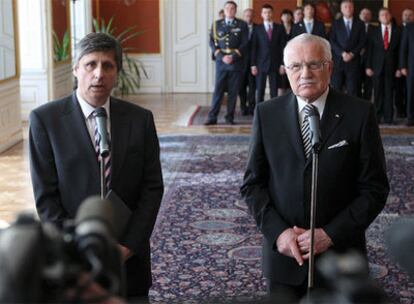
75, 70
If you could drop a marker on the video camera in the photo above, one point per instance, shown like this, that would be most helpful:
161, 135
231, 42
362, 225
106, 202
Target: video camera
40, 263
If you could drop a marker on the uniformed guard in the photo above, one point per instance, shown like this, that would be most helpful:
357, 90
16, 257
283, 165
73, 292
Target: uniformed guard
228, 41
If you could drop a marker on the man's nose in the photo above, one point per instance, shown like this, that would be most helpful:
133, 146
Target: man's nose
98, 72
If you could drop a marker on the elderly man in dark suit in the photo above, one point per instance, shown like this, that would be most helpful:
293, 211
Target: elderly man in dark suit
64, 162
382, 64
309, 24
352, 180
268, 42
407, 68
347, 39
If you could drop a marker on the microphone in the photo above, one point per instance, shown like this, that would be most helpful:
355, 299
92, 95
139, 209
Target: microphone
94, 226
100, 118
314, 127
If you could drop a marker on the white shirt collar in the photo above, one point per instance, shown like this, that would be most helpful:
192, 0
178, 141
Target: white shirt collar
383, 26
307, 21
267, 24
346, 19
229, 20
87, 109
319, 103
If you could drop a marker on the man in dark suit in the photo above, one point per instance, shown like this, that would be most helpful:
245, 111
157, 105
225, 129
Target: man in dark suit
228, 41
382, 64
267, 50
407, 17
64, 162
247, 96
366, 82
352, 181
347, 39
309, 24
298, 14
407, 68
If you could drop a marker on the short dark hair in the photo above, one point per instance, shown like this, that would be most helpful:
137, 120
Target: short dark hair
231, 2
347, 1
286, 12
99, 42
384, 9
310, 4
298, 8
267, 6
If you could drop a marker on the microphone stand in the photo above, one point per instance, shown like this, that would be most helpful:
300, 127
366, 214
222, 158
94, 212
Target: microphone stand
102, 175
314, 187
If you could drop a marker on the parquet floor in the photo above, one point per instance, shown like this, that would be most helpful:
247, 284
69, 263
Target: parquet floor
170, 110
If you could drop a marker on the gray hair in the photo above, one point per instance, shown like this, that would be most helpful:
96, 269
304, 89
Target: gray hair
99, 42
309, 38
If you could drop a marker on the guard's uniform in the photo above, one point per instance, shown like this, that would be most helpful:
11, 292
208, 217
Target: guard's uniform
231, 40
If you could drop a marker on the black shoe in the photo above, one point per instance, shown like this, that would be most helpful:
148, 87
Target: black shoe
409, 123
230, 122
210, 122
245, 112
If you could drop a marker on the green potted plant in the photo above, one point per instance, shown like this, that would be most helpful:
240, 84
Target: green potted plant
61, 49
129, 78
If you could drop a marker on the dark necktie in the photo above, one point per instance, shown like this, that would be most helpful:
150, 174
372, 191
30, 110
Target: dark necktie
386, 38
348, 28
107, 159
306, 135
269, 32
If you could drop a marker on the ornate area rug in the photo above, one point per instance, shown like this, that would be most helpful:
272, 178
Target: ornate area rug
206, 247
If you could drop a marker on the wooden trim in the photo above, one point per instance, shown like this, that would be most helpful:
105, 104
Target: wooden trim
68, 28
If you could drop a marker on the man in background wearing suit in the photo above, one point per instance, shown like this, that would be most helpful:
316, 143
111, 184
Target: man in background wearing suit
228, 41
407, 17
407, 68
298, 14
267, 50
247, 97
309, 24
366, 82
347, 39
352, 181
64, 158
382, 64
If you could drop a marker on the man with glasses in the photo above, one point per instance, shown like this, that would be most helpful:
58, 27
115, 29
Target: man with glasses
353, 184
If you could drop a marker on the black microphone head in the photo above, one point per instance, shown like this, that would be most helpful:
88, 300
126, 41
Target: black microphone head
100, 112
95, 210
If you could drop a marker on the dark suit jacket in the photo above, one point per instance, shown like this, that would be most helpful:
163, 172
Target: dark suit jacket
352, 181
268, 55
318, 29
378, 58
340, 42
65, 171
407, 49
364, 51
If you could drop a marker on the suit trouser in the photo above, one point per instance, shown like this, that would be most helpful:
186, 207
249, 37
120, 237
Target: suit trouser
231, 81
247, 98
401, 95
366, 86
410, 96
261, 85
383, 95
348, 74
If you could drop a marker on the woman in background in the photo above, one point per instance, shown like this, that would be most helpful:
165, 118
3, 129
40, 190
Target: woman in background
287, 21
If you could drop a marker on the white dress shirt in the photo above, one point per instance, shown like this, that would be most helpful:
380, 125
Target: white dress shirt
318, 103
268, 25
346, 20
308, 25
87, 111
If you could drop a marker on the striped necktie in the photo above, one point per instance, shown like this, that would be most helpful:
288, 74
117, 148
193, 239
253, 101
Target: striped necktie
107, 159
306, 134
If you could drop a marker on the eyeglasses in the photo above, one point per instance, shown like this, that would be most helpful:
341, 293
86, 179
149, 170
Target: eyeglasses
313, 66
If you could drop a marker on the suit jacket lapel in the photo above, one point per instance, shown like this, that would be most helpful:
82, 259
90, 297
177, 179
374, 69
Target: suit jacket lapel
120, 128
332, 115
292, 127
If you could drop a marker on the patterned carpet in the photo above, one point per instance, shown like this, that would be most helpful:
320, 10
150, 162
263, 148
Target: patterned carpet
205, 245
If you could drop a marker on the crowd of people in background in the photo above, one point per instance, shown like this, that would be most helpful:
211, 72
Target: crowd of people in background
372, 60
